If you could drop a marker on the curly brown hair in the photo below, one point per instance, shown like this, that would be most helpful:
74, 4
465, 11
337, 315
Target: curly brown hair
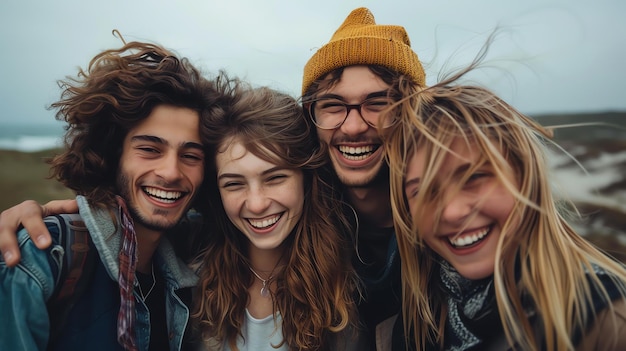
119, 89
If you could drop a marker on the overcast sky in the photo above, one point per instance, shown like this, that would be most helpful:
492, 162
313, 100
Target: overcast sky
550, 55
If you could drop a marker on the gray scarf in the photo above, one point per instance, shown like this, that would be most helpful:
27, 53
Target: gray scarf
467, 300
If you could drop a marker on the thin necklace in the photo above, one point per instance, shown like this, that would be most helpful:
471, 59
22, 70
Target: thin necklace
265, 291
144, 297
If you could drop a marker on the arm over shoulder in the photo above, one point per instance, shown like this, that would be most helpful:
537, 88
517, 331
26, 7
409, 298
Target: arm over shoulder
608, 332
24, 291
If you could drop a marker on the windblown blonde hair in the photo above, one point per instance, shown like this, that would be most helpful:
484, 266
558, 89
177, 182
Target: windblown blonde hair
540, 260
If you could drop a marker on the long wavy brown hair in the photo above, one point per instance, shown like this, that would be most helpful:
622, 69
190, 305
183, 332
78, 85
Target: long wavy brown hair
315, 290
540, 260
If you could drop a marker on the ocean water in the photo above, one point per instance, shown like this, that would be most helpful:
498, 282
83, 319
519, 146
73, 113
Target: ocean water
30, 137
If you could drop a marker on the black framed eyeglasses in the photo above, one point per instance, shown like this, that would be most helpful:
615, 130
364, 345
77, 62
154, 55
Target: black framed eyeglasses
331, 113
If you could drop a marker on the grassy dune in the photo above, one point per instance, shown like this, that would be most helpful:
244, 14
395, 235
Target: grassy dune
23, 176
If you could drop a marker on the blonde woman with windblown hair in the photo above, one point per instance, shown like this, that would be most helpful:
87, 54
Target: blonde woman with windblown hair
488, 260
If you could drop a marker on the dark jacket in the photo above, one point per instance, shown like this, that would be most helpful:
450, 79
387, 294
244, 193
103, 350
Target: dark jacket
377, 262
605, 332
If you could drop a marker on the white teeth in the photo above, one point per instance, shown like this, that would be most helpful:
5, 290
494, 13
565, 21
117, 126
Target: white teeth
260, 224
468, 239
356, 150
356, 153
164, 196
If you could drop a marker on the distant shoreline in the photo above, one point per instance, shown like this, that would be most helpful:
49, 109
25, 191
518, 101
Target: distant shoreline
28, 143
31, 137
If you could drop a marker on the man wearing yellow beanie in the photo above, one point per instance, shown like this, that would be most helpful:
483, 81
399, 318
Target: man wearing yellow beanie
347, 83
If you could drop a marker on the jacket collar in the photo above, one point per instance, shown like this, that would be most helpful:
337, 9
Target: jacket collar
107, 239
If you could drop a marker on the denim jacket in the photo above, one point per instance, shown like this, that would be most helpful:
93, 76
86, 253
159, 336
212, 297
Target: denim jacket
92, 322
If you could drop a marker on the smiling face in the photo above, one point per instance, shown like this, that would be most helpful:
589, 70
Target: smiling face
355, 147
161, 167
264, 201
472, 218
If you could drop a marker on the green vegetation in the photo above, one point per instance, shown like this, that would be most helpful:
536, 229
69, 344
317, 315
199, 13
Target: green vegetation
586, 126
23, 176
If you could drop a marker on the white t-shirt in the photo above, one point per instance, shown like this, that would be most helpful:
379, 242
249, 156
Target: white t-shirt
261, 334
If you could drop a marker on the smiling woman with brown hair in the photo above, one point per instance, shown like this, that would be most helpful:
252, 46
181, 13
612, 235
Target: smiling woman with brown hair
277, 270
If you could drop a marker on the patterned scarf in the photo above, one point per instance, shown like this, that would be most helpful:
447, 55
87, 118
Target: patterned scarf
126, 279
468, 301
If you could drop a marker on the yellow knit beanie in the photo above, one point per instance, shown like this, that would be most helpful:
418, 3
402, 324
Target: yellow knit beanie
360, 41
